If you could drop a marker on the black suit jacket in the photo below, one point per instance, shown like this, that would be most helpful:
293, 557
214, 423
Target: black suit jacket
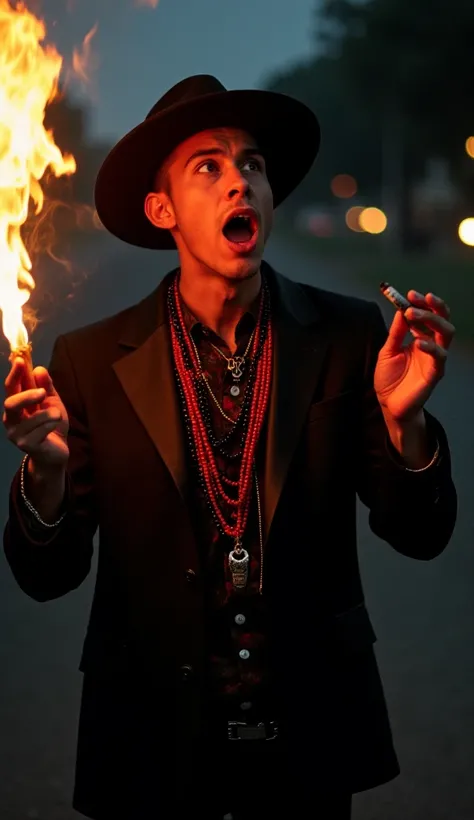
142, 722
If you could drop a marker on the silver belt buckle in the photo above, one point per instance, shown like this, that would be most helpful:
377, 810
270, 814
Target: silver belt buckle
240, 730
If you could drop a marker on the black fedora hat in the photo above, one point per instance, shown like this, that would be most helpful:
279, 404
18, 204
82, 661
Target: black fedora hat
286, 131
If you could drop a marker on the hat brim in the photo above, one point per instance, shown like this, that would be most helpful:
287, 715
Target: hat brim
286, 131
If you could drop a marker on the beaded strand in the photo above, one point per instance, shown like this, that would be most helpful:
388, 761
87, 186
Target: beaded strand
203, 443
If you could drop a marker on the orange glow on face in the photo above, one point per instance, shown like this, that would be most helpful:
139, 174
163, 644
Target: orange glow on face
29, 75
344, 186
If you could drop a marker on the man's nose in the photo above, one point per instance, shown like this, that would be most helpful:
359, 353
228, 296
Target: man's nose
237, 187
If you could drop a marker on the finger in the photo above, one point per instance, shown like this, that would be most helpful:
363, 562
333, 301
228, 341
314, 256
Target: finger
440, 354
31, 442
16, 403
442, 329
429, 301
44, 380
417, 299
396, 334
18, 429
438, 305
13, 380
30, 423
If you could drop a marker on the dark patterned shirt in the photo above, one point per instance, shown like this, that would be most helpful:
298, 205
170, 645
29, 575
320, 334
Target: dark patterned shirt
235, 619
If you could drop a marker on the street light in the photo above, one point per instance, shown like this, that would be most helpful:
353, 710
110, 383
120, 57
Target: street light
466, 231
373, 220
470, 147
353, 217
344, 186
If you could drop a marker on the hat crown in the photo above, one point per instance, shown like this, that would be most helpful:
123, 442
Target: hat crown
188, 89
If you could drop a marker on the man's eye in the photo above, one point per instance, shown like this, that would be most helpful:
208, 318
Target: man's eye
254, 165
207, 167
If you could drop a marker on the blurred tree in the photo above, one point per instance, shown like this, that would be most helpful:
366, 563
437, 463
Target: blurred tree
393, 86
418, 54
413, 63
350, 140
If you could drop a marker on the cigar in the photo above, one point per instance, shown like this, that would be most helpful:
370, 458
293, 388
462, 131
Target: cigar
401, 303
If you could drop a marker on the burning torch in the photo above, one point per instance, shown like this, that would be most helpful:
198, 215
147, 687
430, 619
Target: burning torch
29, 74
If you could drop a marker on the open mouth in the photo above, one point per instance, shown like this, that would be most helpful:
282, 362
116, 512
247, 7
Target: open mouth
240, 228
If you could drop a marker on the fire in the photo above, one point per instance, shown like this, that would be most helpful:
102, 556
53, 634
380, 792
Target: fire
29, 74
152, 4
82, 58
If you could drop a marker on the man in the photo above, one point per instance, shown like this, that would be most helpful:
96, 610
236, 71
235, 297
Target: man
217, 434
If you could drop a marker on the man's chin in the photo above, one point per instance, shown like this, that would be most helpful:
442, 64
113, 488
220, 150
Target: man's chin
243, 267
243, 272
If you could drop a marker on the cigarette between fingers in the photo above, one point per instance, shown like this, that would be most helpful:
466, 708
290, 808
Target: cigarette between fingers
401, 303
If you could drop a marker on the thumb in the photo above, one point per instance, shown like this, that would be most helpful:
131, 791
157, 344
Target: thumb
396, 334
44, 380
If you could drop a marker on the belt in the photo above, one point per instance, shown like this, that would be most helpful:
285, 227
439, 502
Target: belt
245, 730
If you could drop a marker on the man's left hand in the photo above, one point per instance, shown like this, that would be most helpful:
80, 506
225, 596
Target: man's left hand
405, 376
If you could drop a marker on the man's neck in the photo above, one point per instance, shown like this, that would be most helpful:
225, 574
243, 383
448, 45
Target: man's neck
219, 303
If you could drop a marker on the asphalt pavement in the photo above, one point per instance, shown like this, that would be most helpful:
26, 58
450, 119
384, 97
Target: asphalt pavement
423, 613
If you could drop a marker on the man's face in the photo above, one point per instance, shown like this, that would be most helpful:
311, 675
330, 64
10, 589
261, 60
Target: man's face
211, 176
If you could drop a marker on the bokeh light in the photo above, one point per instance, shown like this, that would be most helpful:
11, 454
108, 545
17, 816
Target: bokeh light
373, 220
353, 217
321, 225
470, 146
344, 186
466, 231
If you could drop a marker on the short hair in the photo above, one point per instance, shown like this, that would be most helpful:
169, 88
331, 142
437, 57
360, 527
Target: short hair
162, 182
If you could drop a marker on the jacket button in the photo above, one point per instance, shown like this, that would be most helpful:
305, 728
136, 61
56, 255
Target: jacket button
190, 576
186, 672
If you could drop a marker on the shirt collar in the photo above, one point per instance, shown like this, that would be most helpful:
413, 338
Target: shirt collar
198, 330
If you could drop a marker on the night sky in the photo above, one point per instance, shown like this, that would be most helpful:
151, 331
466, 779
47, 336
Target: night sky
141, 52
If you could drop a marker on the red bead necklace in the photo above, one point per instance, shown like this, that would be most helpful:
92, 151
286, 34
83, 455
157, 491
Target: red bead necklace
212, 479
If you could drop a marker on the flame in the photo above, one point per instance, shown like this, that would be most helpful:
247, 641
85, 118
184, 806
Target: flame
152, 4
82, 58
29, 74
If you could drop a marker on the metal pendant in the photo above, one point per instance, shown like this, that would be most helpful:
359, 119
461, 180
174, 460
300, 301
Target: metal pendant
239, 566
235, 365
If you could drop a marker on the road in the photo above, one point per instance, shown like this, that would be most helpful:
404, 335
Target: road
423, 613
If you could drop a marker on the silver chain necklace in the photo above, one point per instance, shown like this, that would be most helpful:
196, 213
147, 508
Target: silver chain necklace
235, 364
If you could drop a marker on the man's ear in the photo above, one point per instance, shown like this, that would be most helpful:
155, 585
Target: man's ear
159, 210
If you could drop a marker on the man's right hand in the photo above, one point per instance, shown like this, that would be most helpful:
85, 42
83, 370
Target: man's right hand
36, 421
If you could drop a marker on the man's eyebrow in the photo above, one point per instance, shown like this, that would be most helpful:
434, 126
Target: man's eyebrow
215, 151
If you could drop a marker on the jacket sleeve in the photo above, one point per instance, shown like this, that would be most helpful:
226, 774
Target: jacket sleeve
414, 511
49, 563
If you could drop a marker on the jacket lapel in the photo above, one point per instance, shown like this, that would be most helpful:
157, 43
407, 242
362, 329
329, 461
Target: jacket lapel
299, 354
147, 377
